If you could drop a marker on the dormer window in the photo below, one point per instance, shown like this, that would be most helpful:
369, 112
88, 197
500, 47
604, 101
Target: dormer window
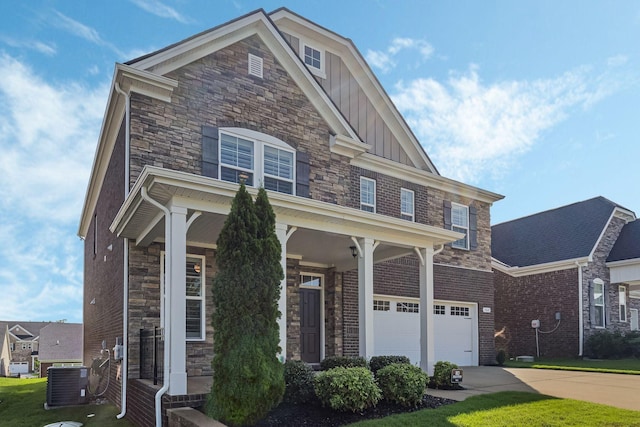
312, 57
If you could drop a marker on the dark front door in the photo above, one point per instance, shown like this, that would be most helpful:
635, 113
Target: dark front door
310, 325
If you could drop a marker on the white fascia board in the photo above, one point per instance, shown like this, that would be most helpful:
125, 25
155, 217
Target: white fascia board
623, 263
226, 35
347, 147
361, 72
529, 270
625, 214
130, 80
604, 230
408, 173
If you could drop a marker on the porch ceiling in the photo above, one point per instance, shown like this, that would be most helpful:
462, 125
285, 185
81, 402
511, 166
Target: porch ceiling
323, 234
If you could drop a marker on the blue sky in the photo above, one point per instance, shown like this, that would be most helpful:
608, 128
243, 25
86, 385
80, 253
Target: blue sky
535, 100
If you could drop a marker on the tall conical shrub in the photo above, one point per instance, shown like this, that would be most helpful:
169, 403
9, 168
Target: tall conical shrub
247, 377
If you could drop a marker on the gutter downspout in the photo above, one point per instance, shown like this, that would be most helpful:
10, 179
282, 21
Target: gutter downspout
167, 330
125, 280
580, 311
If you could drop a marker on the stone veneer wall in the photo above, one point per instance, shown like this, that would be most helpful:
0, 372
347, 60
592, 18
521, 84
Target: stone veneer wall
519, 300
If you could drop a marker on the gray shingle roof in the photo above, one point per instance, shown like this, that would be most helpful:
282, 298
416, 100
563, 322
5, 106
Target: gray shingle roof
628, 244
61, 342
559, 234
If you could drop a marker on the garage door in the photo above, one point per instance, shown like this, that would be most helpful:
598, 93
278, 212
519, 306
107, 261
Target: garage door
396, 325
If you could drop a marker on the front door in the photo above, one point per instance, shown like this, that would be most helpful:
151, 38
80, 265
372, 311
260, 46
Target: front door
310, 325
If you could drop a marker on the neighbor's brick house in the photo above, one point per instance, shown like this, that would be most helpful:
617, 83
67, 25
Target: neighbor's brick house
580, 263
383, 255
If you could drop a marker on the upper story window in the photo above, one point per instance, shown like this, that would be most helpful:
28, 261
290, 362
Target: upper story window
460, 223
597, 317
407, 204
622, 303
256, 161
367, 194
312, 57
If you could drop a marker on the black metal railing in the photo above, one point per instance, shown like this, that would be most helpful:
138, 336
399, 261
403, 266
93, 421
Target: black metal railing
151, 354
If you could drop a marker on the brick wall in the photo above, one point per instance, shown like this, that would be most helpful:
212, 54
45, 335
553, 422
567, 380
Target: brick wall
523, 299
103, 270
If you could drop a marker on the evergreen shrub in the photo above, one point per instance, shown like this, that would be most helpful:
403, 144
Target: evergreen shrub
442, 375
298, 380
347, 389
402, 383
378, 362
344, 362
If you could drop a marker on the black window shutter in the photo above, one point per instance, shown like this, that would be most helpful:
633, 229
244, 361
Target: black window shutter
210, 151
447, 214
473, 228
592, 306
607, 306
302, 174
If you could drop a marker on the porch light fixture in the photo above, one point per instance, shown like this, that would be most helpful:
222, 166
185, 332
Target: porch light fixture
196, 268
354, 251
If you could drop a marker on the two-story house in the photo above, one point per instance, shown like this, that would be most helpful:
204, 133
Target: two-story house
383, 255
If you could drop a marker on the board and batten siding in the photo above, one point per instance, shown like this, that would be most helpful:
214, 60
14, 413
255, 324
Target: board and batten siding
348, 96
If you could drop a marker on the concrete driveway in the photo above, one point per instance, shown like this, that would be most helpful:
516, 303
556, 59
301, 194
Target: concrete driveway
622, 391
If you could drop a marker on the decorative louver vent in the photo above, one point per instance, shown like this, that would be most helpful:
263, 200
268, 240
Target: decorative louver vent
255, 66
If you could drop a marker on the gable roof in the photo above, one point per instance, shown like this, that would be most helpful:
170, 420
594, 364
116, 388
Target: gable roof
565, 233
61, 342
28, 331
628, 244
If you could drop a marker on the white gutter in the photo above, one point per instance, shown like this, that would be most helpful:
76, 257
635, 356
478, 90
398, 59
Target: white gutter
580, 310
125, 279
167, 314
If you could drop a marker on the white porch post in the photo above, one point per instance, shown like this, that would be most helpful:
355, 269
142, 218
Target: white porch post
283, 236
365, 296
177, 256
427, 350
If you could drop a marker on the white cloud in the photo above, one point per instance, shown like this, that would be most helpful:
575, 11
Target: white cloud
160, 9
83, 31
617, 61
384, 60
45, 48
471, 129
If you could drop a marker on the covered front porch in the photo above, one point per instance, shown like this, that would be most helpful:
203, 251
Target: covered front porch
181, 211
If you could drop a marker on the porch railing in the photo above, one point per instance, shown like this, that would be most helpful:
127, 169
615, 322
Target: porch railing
151, 354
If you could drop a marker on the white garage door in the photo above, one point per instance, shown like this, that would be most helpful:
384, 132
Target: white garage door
396, 324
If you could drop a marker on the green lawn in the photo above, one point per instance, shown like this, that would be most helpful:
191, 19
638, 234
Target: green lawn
512, 408
22, 405
619, 366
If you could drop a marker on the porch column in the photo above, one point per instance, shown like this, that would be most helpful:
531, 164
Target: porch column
177, 256
365, 296
427, 350
283, 235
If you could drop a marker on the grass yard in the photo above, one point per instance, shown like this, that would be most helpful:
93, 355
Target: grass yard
614, 366
22, 405
512, 408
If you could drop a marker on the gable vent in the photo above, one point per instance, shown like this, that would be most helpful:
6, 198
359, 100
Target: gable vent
255, 66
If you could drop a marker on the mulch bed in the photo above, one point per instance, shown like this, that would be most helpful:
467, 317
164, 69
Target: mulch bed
314, 415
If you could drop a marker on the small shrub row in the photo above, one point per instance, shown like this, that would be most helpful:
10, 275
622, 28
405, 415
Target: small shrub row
613, 345
348, 386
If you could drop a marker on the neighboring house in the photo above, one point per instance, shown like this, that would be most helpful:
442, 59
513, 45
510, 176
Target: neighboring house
383, 255
575, 269
5, 351
24, 342
60, 345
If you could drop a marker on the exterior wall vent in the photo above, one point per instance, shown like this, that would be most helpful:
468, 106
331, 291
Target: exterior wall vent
255, 66
67, 386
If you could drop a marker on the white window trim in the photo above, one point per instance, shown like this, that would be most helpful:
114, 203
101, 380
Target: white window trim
260, 140
600, 282
633, 327
362, 178
413, 204
622, 304
466, 229
320, 72
321, 290
203, 294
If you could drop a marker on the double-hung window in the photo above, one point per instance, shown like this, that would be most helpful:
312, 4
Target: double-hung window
257, 159
406, 204
367, 194
622, 303
460, 223
195, 298
598, 303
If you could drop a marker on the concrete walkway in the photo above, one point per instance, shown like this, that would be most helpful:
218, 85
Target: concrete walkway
622, 391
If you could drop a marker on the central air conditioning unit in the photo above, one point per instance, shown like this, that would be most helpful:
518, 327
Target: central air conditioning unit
67, 386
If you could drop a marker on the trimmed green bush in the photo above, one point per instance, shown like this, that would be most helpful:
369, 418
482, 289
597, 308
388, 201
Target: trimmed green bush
605, 345
343, 362
347, 389
402, 383
298, 380
378, 362
632, 344
442, 374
